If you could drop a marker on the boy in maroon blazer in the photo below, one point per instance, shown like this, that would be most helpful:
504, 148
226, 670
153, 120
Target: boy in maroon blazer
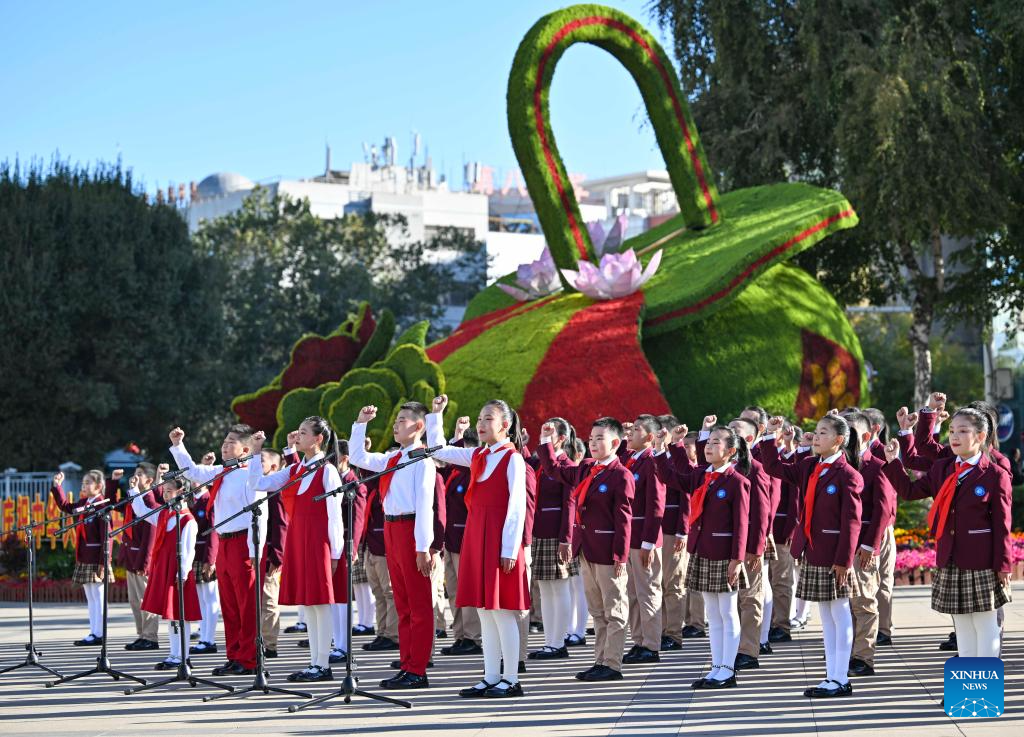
601, 505
644, 569
673, 564
135, 554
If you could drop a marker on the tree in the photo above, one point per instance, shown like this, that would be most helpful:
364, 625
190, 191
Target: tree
913, 109
286, 272
108, 327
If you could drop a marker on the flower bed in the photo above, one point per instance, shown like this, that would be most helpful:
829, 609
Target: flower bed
915, 557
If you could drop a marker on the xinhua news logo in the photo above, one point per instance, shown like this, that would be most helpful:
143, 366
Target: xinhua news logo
974, 688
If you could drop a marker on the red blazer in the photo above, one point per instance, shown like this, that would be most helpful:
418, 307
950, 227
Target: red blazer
88, 549
606, 515
926, 449
878, 502
677, 494
835, 527
551, 520
977, 533
648, 500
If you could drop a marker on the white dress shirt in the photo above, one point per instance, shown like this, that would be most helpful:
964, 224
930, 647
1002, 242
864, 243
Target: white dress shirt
515, 516
332, 480
189, 530
235, 493
412, 487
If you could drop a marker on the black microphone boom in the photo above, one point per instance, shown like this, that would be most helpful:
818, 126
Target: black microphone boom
423, 452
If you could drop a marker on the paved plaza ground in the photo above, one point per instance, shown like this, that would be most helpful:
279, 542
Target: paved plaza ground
903, 698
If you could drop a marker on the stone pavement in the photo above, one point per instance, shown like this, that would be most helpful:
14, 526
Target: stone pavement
904, 698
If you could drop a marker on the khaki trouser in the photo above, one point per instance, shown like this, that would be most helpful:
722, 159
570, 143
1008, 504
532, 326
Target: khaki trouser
782, 574
693, 610
270, 615
465, 620
535, 612
864, 608
673, 570
609, 607
643, 586
887, 574
380, 585
751, 606
146, 623
437, 579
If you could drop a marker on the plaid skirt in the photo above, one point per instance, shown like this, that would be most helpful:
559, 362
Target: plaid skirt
964, 591
546, 565
91, 573
197, 568
359, 570
770, 553
711, 576
818, 583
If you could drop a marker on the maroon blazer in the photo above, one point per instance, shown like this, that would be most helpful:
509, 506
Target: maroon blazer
878, 502
677, 494
761, 514
136, 548
878, 450
90, 551
206, 544
835, 526
277, 532
374, 525
531, 506
455, 508
551, 520
648, 500
606, 515
778, 499
977, 533
358, 508
440, 515
720, 533
926, 449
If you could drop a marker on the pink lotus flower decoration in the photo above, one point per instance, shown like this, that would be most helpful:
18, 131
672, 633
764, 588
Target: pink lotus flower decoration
535, 280
610, 241
618, 275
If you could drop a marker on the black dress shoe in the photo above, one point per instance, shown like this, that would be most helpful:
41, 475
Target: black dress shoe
148, 645
713, 683
194, 636
303, 643
883, 639
536, 628
859, 667
477, 691
462, 647
337, 656
241, 670
948, 645
590, 630
396, 677
315, 673
777, 634
689, 632
166, 665
581, 675
602, 673
510, 689
268, 653
641, 656
845, 689
632, 651
549, 653
225, 670
699, 683
380, 643
205, 648
745, 662
363, 630
89, 640
575, 641
667, 643
440, 634
398, 663
300, 627
765, 649
408, 681
134, 644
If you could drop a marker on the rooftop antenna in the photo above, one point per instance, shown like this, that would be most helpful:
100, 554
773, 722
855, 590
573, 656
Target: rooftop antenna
327, 171
366, 153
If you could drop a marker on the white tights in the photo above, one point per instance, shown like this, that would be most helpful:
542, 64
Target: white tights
499, 635
94, 599
209, 606
977, 634
318, 621
769, 603
837, 628
173, 640
722, 611
366, 607
578, 608
556, 610
339, 623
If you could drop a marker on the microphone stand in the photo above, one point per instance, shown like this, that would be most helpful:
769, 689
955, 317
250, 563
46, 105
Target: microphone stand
102, 662
349, 684
260, 682
32, 659
184, 674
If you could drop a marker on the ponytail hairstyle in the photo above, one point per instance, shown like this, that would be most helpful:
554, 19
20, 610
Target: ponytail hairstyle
342, 448
992, 418
979, 420
509, 415
565, 430
320, 427
850, 444
876, 417
735, 440
579, 450
97, 476
859, 422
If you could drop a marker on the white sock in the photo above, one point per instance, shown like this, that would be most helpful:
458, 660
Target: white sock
580, 612
716, 628
967, 644
366, 608
769, 604
301, 618
173, 640
556, 609
319, 624
94, 599
339, 625
490, 642
802, 608
208, 607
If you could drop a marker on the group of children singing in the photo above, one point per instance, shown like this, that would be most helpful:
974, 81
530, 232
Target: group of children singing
747, 517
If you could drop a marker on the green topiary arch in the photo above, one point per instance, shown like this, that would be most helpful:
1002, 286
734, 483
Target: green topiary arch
534, 142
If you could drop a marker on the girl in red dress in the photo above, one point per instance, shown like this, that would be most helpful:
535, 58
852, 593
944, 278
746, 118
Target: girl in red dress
316, 536
492, 567
161, 595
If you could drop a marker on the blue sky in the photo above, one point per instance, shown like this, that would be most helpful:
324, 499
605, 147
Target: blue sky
182, 90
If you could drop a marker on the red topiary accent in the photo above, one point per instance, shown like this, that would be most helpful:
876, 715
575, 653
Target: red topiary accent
595, 367
830, 378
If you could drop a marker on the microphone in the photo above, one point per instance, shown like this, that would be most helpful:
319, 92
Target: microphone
423, 452
171, 475
235, 462
90, 507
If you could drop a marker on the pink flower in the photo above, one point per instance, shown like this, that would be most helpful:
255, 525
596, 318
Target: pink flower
535, 280
618, 275
607, 242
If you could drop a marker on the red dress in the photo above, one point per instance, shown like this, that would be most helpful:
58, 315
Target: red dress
161, 595
306, 569
482, 584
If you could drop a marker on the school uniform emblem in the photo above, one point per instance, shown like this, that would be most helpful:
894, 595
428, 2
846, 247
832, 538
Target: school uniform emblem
458, 489
603, 488
720, 493
979, 491
200, 513
831, 489
636, 477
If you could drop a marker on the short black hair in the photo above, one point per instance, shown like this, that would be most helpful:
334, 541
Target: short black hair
342, 447
668, 421
418, 409
610, 424
274, 452
470, 439
147, 468
762, 414
747, 423
649, 423
243, 431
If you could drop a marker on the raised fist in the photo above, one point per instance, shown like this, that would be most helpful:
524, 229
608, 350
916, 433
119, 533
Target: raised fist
208, 459
892, 450
937, 400
440, 402
133, 482
58, 478
679, 432
366, 414
627, 426
117, 474
163, 468
775, 424
906, 418
710, 421
293, 438
176, 435
258, 439
807, 440
547, 430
